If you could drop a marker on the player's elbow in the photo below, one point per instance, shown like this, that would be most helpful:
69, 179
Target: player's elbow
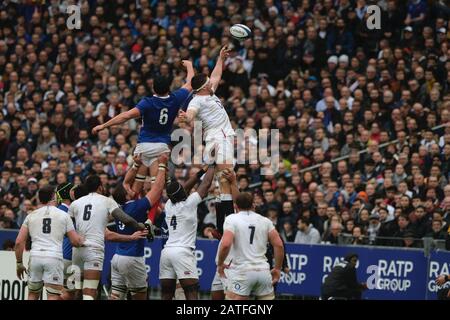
279, 249
277, 243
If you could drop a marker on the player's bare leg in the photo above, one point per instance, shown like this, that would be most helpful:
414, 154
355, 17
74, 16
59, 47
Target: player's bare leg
53, 291
190, 287
139, 181
179, 292
139, 295
225, 206
218, 295
35, 290
118, 292
168, 287
90, 284
70, 294
153, 173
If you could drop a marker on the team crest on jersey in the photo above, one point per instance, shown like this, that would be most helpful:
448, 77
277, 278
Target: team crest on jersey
55, 278
96, 264
237, 286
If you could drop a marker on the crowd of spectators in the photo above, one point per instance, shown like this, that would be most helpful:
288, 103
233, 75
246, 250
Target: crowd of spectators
312, 69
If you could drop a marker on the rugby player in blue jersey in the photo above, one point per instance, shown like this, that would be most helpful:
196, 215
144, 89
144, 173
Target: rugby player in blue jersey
128, 271
158, 112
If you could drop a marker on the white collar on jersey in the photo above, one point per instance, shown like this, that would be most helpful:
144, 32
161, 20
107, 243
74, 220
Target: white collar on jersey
165, 97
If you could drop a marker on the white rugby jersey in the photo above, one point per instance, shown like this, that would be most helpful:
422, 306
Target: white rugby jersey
47, 227
251, 235
92, 213
214, 118
181, 219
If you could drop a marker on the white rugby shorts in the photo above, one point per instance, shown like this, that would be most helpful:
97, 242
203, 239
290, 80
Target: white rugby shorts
150, 151
224, 149
248, 282
178, 263
50, 270
128, 271
88, 258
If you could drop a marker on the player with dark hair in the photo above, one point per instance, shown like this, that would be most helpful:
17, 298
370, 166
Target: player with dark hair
128, 271
47, 227
177, 258
217, 130
92, 212
158, 113
246, 235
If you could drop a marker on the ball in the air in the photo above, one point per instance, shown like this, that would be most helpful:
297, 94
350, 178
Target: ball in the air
240, 32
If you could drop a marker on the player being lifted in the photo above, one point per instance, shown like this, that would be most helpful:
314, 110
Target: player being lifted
158, 113
177, 258
207, 107
47, 227
245, 237
92, 213
128, 271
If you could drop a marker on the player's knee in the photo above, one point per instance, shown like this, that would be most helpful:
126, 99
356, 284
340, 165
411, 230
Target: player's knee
118, 292
53, 291
35, 287
135, 291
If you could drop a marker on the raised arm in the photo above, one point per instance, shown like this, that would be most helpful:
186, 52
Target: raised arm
119, 119
155, 192
131, 175
190, 74
216, 74
19, 248
230, 175
190, 183
206, 183
187, 116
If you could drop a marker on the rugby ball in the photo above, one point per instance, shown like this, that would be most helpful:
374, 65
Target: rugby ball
240, 32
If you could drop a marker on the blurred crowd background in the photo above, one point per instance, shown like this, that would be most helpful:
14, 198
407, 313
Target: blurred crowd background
363, 115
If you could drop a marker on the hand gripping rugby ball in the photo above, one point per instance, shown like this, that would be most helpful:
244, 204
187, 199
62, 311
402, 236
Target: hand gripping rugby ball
240, 32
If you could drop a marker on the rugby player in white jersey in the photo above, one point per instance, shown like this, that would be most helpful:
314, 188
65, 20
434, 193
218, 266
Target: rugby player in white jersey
177, 258
217, 131
47, 227
245, 237
92, 213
